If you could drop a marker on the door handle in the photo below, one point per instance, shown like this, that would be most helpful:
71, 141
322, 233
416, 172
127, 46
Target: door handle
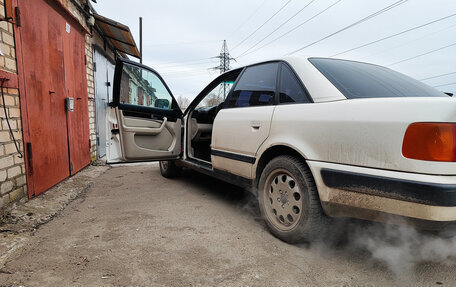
158, 130
146, 131
255, 125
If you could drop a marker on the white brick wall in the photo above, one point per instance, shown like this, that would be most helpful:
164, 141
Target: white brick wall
91, 95
12, 168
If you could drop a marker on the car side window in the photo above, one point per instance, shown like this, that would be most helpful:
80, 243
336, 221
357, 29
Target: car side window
218, 94
256, 87
291, 90
141, 87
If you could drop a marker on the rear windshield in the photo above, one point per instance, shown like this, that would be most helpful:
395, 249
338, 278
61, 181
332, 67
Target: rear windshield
360, 80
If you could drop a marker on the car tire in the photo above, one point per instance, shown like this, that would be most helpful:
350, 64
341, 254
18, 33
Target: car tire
169, 169
289, 202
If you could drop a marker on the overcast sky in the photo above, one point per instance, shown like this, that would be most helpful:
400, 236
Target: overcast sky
181, 37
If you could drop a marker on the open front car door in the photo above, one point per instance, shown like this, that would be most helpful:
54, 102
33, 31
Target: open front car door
144, 118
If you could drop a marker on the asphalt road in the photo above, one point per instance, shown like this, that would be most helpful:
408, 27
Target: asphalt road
136, 228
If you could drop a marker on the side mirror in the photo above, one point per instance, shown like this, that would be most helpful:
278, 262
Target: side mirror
161, 103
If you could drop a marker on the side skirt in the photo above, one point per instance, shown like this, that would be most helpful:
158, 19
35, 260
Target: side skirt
219, 174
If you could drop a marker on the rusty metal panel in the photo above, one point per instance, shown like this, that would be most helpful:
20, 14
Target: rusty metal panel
52, 62
8, 9
76, 88
43, 73
119, 35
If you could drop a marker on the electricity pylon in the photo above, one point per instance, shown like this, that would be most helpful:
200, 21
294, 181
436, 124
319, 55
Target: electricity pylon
223, 67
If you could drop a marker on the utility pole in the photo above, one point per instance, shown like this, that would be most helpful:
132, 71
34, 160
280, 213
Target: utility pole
140, 40
224, 66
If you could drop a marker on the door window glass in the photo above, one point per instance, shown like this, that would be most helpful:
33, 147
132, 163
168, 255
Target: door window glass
291, 90
217, 95
256, 87
142, 87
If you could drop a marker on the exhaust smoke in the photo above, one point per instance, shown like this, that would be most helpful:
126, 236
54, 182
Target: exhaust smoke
400, 248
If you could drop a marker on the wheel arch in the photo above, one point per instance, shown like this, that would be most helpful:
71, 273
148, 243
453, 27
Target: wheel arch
272, 152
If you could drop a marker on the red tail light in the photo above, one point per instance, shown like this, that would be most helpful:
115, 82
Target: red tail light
430, 141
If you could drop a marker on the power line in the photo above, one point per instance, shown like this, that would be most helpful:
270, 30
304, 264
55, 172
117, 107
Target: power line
245, 39
395, 4
280, 26
194, 70
247, 19
187, 74
394, 35
182, 43
183, 70
293, 29
449, 84
185, 61
438, 76
180, 65
433, 33
414, 57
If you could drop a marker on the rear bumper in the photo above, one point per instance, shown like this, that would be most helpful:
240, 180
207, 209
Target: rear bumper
428, 193
382, 195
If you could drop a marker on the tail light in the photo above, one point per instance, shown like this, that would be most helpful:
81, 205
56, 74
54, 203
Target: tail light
430, 141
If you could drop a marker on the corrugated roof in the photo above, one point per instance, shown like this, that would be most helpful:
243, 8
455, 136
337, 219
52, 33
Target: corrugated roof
119, 34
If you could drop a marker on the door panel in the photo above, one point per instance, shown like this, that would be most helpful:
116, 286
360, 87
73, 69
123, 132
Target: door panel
43, 74
251, 124
104, 75
243, 125
144, 139
76, 88
101, 100
52, 59
146, 114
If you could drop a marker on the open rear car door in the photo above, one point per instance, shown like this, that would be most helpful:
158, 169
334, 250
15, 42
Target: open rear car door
144, 118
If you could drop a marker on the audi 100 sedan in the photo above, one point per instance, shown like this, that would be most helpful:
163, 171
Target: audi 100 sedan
312, 138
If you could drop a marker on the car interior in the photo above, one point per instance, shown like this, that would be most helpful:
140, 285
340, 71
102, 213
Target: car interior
202, 118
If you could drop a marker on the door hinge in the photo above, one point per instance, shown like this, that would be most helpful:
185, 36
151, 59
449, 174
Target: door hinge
29, 157
17, 13
94, 66
98, 141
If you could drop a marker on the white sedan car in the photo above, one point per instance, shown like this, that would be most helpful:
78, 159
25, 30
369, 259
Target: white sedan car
311, 137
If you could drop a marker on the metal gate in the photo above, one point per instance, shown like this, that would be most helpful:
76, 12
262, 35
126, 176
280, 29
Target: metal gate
51, 67
104, 74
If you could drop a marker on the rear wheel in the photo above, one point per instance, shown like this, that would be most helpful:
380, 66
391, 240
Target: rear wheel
289, 201
169, 169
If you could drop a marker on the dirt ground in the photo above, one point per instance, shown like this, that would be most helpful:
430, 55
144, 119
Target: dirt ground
133, 227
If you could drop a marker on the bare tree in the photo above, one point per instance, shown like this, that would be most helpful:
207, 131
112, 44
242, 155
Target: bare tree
183, 102
212, 100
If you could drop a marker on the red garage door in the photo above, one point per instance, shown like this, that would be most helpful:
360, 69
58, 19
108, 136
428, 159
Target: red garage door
51, 68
